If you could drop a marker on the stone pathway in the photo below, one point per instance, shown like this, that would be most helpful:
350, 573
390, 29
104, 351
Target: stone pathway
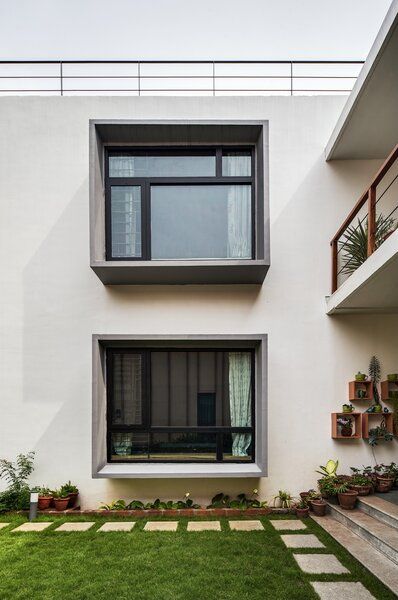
117, 526
302, 541
2, 525
75, 526
26, 527
245, 525
161, 526
344, 590
204, 526
320, 563
288, 525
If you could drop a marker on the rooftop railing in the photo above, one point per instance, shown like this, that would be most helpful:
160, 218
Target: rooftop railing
159, 78
372, 220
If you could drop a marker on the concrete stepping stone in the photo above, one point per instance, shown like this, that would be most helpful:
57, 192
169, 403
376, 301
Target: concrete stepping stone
161, 526
204, 526
288, 524
245, 525
72, 526
2, 525
344, 590
320, 563
26, 527
302, 541
117, 526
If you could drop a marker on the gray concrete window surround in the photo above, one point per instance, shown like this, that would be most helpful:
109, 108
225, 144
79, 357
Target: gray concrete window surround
102, 469
188, 134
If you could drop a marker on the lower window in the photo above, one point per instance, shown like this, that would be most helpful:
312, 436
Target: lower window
180, 405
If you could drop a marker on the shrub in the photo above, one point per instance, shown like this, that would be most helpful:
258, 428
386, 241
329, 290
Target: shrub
17, 495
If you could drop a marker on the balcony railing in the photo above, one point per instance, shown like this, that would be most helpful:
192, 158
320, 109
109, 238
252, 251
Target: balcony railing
371, 221
195, 78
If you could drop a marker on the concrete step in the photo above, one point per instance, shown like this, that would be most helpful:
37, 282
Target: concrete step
371, 558
380, 509
383, 537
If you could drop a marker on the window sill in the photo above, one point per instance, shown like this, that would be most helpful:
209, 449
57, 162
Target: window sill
177, 272
177, 470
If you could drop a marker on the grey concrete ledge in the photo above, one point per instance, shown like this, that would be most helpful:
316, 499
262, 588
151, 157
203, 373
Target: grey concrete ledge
179, 470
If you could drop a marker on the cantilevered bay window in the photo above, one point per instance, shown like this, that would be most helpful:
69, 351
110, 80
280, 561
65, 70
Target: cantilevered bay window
166, 405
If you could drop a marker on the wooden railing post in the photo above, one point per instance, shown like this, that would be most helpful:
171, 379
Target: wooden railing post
333, 244
372, 220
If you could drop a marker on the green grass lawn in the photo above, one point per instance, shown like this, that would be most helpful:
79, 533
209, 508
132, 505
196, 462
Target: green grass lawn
143, 565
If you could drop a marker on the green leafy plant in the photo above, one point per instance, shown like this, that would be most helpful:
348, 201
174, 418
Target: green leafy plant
16, 474
354, 243
284, 498
60, 493
330, 469
241, 502
114, 505
342, 487
303, 503
69, 488
379, 434
359, 479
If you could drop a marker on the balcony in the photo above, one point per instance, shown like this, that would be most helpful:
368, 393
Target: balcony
365, 249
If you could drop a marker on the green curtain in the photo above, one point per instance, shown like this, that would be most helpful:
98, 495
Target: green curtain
240, 399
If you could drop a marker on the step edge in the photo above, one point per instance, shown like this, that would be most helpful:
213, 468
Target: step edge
369, 533
322, 521
362, 502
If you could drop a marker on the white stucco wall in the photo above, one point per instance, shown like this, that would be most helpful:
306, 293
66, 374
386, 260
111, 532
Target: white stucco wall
51, 301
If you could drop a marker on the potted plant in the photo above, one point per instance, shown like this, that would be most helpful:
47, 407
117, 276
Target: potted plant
361, 393
72, 491
45, 498
317, 503
375, 376
379, 433
348, 408
385, 478
347, 497
360, 376
345, 426
283, 499
302, 509
61, 499
361, 484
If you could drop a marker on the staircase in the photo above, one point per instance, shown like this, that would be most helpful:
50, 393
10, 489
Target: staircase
370, 534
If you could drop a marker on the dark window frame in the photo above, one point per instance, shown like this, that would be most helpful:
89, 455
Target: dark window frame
146, 399
146, 182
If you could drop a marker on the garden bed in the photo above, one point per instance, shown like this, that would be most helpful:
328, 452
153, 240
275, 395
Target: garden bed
182, 512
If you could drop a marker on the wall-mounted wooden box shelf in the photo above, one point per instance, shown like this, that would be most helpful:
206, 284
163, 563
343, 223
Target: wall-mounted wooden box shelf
358, 387
357, 426
387, 388
370, 420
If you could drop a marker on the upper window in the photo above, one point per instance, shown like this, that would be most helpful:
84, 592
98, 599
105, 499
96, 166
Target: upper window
178, 204
180, 405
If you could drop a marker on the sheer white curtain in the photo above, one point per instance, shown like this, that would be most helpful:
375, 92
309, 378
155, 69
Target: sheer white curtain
240, 399
239, 209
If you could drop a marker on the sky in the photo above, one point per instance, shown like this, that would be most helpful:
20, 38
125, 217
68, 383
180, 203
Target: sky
188, 29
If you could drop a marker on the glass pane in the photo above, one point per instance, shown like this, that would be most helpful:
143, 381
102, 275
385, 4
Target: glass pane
201, 221
232, 441
129, 446
127, 389
183, 446
126, 221
162, 166
236, 164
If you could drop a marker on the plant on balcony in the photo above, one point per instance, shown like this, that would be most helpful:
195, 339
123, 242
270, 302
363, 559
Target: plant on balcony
380, 434
355, 242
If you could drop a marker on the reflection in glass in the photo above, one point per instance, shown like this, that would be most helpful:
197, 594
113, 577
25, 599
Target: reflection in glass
162, 166
183, 446
126, 221
236, 164
127, 392
201, 221
129, 446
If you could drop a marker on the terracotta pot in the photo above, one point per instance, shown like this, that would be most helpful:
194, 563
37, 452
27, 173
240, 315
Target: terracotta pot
348, 499
302, 513
72, 499
319, 507
346, 431
44, 502
61, 503
362, 490
384, 484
